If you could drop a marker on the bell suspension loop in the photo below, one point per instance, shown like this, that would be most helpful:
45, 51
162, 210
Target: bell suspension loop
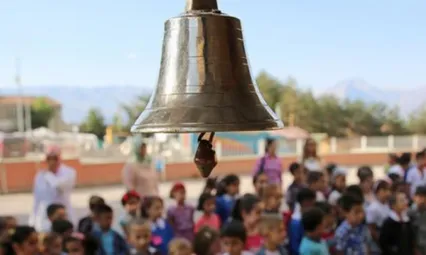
201, 5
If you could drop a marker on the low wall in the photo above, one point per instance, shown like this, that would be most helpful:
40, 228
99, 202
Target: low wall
19, 176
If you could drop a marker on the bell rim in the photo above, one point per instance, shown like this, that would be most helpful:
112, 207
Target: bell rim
202, 127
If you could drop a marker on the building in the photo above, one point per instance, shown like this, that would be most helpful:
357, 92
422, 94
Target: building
9, 112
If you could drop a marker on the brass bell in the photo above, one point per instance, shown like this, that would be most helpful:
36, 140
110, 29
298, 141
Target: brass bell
205, 83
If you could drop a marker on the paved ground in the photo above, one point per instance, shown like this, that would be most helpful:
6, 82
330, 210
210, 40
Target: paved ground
19, 205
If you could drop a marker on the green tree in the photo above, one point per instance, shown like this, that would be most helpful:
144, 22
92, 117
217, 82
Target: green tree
134, 109
94, 123
41, 113
417, 120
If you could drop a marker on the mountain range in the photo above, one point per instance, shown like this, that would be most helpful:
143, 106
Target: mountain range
76, 101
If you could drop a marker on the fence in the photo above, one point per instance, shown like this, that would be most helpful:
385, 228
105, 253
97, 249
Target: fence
230, 149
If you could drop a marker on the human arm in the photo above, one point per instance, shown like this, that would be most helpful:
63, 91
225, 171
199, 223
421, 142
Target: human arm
296, 235
128, 177
37, 197
64, 181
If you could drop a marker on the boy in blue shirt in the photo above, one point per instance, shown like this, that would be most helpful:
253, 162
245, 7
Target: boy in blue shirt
313, 226
305, 200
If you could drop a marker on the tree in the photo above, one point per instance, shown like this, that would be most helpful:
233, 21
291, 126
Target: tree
41, 113
94, 123
417, 120
134, 109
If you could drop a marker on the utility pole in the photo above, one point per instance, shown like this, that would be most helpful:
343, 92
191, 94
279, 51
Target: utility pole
19, 102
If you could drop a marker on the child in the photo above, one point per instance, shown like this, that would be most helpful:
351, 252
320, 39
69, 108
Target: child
416, 175
366, 182
140, 238
181, 215
54, 212
234, 238
298, 182
227, 191
272, 197
305, 201
316, 182
392, 160
260, 180
352, 236
85, 225
338, 181
52, 244
329, 224
62, 227
377, 212
313, 226
207, 204
248, 210
23, 240
7, 223
180, 246
206, 242
274, 233
110, 241
397, 236
161, 230
131, 201
418, 219
79, 244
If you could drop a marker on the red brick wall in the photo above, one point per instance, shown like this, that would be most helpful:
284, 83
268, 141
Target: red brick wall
20, 176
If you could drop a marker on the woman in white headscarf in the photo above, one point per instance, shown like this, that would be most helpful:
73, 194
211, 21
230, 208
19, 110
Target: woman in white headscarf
310, 159
139, 174
53, 185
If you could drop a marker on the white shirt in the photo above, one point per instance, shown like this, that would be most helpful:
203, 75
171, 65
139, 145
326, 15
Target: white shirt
320, 196
377, 213
50, 188
415, 178
333, 197
396, 169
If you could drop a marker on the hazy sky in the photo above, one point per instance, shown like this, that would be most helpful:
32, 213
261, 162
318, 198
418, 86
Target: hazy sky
111, 42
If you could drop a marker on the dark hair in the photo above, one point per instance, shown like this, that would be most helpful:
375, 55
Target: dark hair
314, 176
380, 185
348, 201
19, 236
364, 173
89, 243
52, 208
61, 226
294, 167
393, 156
225, 182
330, 168
50, 238
405, 158
202, 199
305, 194
311, 219
235, 229
210, 183
355, 190
246, 204
102, 209
421, 191
324, 206
420, 154
147, 203
129, 195
203, 240
95, 201
394, 177
268, 142
257, 174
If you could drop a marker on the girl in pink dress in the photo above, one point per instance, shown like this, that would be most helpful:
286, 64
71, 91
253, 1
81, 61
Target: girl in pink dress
207, 204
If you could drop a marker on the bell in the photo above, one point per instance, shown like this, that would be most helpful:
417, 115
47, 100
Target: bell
205, 83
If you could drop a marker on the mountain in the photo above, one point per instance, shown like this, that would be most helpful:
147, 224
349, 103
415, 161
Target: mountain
358, 89
76, 101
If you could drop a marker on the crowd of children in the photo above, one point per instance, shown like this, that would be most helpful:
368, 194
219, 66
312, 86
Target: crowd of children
321, 216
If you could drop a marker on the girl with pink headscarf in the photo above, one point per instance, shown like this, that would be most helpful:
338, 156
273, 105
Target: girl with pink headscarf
52, 186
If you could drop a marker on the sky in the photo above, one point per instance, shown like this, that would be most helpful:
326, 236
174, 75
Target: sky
110, 42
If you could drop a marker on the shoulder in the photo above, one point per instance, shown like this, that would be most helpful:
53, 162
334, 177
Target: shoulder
342, 230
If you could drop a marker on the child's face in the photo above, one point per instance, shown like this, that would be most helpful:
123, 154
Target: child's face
233, 189
273, 202
232, 245
140, 236
320, 230
307, 204
252, 218
55, 248
261, 182
11, 223
319, 185
421, 162
401, 204
105, 220
420, 201
74, 248
156, 210
60, 214
215, 247
340, 182
132, 205
209, 206
29, 246
384, 194
367, 184
179, 195
277, 234
299, 175
355, 215
329, 222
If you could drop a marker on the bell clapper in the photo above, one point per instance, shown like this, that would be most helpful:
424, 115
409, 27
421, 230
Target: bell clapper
205, 156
